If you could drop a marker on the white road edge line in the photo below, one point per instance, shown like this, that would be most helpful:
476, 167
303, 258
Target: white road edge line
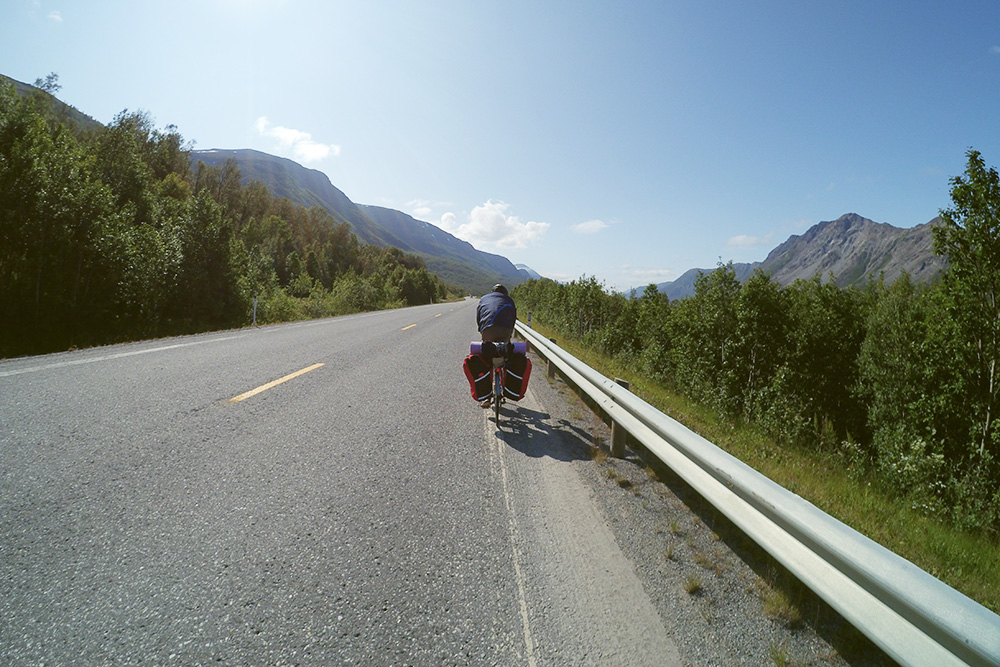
109, 357
512, 524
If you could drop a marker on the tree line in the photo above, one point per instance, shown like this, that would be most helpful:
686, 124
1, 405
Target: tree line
110, 234
900, 380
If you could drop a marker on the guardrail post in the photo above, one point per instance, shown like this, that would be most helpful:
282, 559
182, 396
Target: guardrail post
618, 432
551, 367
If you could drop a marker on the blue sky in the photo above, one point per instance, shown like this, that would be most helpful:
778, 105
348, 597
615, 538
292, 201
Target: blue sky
630, 141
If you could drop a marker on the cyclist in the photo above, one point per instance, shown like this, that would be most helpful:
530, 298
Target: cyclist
496, 315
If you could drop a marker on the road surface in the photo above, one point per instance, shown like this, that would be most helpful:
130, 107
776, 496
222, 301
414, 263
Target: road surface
362, 510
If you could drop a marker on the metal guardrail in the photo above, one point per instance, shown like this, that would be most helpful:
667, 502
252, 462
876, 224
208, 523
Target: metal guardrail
915, 618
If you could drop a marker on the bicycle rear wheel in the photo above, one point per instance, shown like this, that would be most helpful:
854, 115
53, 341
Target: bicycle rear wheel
497, 393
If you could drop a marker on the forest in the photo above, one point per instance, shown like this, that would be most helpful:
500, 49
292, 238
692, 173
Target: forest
108, 234
901, 381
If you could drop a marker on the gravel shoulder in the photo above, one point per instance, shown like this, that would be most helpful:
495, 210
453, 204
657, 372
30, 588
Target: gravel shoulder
721, 599
581, 600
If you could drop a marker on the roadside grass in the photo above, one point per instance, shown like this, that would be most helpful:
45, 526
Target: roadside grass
597, 454
965, 561
778, 607
778, 653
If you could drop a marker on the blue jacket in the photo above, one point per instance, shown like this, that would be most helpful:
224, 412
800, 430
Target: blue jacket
496, 309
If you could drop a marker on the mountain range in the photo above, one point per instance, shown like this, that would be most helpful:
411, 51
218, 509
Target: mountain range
455, 261
850, 250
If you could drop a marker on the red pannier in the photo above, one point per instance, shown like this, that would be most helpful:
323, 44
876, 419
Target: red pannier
515, 379
477, 370
517, 371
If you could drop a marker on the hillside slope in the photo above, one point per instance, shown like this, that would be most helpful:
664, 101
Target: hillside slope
856, 250
78, 121
308, 187
455, 261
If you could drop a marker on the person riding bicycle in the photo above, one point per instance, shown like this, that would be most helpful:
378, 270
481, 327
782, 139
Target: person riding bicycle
496, 315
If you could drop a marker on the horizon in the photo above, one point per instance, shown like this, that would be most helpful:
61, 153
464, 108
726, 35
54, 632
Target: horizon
630, 142
634, 288
627, 291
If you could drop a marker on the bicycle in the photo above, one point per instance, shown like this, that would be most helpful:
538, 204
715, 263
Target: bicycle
498, 353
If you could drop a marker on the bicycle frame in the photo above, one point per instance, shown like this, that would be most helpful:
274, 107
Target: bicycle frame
498, 388
498, 353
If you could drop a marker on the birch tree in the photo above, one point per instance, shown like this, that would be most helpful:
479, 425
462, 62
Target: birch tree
970, 237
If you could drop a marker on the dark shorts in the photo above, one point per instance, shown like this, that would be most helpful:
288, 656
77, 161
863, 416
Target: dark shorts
497, 334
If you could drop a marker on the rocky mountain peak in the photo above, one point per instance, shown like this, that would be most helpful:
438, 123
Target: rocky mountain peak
852, 249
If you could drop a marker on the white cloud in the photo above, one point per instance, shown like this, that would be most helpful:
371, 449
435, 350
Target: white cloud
794, 226
744, 241
420, 208
561, 277
300, 143
56, 16
448, 223
590, 227
489, 226
423, 209
645, 276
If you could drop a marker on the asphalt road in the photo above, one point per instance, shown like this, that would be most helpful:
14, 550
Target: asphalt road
362, 512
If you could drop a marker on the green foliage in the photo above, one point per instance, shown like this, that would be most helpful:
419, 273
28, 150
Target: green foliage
703, 329
760, 347
970, 236
110, 235
892, 383
825, 333
53, 212
901, 380
50, 84
970, 297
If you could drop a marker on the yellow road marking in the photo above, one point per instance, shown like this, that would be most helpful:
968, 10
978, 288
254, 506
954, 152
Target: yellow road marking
409, 327
269, 385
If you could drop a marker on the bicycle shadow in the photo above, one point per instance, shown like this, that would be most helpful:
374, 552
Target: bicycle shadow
531, 433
